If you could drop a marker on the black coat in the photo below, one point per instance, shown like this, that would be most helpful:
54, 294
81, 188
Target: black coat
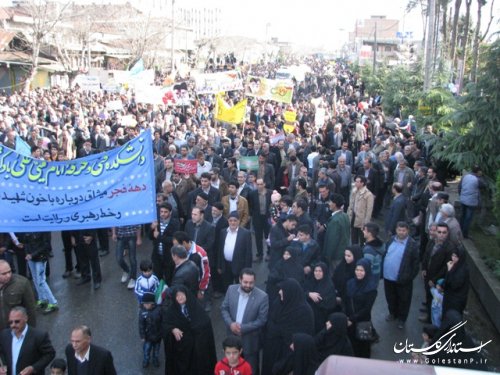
409, 267
150, 323
242, 256
397, 212
456, 285
279, 242
254, 205
100, 361
163, 265
186, 274
205, 237
435, 265
194, 354
213, 196
36, 351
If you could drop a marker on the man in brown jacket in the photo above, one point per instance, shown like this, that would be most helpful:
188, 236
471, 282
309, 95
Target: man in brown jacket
360, 209
15, 290
234, 202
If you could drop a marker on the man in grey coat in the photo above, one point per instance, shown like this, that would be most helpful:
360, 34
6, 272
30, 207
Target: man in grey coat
244, 311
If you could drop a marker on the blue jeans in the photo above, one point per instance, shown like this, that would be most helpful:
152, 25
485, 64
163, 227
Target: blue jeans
37, 270
121, 244
146, 350
466, 219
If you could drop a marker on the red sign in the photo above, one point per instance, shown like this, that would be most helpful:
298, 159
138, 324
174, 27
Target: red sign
186, 166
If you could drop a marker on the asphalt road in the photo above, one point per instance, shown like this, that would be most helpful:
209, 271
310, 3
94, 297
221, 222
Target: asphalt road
111, 313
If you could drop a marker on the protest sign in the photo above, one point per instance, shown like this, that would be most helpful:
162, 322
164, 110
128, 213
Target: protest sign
269, 89
249, 163
186, 166
113, 188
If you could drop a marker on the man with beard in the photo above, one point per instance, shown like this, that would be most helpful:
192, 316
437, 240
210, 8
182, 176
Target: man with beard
244, 311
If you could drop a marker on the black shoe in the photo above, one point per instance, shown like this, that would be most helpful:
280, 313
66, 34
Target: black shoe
145, 364
422, 310
156, 362
103, 253
83, 281
390, 318
66, 274
401, 324
97, 286
51, 254
258, 259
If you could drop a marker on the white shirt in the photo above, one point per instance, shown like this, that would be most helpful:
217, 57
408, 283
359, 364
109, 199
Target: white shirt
229, 244
86, 357
17, 343
242, 305
206, 167
233, 204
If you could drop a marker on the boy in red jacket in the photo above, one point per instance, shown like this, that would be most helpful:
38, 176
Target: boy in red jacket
233, 363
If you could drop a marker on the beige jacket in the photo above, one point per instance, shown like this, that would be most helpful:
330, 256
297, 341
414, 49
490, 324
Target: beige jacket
362, 201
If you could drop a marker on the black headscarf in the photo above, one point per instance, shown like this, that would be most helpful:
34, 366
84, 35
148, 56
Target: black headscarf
367, 284
306, 358
198, 318
334, 341
324, 287
344, 271
292, 314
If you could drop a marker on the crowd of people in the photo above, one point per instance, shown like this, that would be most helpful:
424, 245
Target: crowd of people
314, 205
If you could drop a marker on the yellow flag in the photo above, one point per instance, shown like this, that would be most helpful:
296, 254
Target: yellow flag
231, 115
290, 116
288, 128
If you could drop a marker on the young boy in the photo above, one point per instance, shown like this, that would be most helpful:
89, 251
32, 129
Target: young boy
147, 282
150, 329
58, 367
233, 363
437, 292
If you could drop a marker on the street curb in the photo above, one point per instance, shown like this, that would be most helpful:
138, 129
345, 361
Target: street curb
484, 284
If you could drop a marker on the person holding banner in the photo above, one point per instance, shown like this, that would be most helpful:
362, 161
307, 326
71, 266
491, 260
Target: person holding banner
88, 257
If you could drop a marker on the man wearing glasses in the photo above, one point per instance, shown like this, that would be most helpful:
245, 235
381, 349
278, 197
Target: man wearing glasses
15, 290
27, 350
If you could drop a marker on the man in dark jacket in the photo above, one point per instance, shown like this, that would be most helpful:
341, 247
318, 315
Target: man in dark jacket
397, 210
281, 237
374, 248
162, 234
15, 290
437, 255
400, 266
36, 350
83, 357
186, 272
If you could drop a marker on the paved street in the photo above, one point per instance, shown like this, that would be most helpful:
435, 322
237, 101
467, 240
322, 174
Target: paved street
111, 313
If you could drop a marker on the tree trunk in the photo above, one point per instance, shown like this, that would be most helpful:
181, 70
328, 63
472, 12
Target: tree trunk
464, 43
429, 42
35, 53
454, 31
477, 35
444, 29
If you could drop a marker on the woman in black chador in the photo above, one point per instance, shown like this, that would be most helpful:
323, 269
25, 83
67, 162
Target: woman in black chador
321, 295
361, 294
188, 336
333, 339
288, 315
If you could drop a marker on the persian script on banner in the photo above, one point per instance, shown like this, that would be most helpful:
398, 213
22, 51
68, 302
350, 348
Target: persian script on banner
269, 89
213, 83
185, 166
113, 188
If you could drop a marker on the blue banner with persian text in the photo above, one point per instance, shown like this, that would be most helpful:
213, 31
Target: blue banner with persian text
109, 189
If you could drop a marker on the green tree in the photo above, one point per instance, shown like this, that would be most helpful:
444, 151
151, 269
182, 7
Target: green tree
473, 136
403, 89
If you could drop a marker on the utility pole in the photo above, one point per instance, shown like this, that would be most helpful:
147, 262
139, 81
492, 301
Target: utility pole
375, 49
429, 41
172, 39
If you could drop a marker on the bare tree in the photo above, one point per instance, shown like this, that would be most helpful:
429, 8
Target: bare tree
43, 16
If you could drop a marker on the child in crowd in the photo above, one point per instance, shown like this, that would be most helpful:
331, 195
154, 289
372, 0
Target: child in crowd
428, 333
147, 282
437, 292
58, 367
232, 363
150, 329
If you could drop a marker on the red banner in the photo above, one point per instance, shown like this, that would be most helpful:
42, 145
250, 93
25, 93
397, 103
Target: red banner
186, 166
